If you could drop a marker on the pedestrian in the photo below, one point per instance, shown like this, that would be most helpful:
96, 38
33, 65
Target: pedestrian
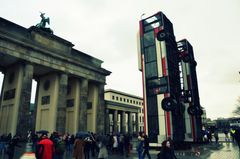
45, 148
237, 137
121, 144
93, 144
115, 143
226, 135
167, 152
216, 136
78, 148
146, 147
10, 150
110, 143
140, 145
34, 140
60, 147
233, 134
127, 144
87, 147
103, 154
9, 137
68, 143
72, 138
209, 136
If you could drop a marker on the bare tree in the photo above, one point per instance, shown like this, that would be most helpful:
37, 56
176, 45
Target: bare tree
237, 110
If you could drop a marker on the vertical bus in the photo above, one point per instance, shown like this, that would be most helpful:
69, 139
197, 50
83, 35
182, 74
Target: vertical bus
190, 95
159, 62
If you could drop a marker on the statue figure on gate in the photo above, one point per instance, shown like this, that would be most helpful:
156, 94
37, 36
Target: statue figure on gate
43, 22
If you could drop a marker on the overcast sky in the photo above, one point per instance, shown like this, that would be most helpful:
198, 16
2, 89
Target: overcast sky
106, 29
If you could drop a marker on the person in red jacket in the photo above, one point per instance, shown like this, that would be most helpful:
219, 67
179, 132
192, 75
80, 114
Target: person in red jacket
45, 148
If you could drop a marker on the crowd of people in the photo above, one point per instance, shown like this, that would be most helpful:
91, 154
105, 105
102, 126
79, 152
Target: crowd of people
232, 134
99, 146
81, 147
85, 147
77, 146
12, 142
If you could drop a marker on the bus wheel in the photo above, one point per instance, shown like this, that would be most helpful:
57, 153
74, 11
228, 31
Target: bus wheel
192, 110
161, 36
168, 104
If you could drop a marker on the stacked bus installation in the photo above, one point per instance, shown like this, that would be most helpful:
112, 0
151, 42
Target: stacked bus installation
160, 63
190, 95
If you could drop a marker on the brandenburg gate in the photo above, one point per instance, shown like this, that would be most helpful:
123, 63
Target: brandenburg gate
70, 83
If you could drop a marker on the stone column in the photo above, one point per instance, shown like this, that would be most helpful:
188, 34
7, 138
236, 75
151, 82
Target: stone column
115, 121
123, 122
83, 105
34, 114
130, 123
107, 121
1, 107
1, 95
61, 103
137, 123
23, 121
100, 110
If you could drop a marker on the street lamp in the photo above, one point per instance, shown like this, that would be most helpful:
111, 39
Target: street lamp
142, 16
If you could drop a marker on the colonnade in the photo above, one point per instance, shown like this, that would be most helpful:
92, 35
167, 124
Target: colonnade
120, 121
63, 103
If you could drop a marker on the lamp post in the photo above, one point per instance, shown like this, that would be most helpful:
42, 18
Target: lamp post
142, 16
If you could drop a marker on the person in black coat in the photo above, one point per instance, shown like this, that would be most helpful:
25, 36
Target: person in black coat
146, 147
167, 152
127, 144
237, 137
11, 147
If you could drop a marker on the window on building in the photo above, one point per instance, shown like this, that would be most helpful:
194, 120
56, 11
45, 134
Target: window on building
124, 99
116, 98
134, 102
128, 100
113, 97
120, 98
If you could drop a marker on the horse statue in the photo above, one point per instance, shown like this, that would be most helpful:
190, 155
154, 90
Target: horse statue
43, 22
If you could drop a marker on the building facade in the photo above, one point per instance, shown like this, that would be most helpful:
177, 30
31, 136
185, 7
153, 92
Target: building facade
124, 112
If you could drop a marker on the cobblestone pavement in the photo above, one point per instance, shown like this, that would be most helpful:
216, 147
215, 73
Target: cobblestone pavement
229, 151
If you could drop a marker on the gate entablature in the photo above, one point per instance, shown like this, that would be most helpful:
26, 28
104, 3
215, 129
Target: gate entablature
38, 47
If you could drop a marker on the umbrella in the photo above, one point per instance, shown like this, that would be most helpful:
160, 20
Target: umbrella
43, 132
83, 134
